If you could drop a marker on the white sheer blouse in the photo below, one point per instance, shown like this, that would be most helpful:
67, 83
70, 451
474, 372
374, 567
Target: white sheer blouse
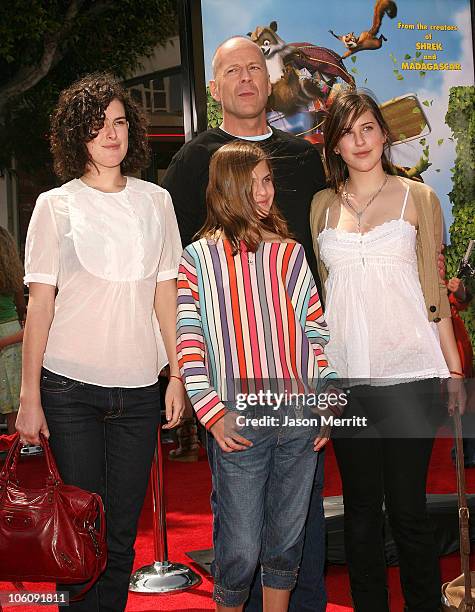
105, 252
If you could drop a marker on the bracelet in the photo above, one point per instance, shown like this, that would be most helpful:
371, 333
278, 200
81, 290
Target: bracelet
177, 377
457, 373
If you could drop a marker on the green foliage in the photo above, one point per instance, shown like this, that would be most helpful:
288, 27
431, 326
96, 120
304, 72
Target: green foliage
215, 114
103, 35
460, 118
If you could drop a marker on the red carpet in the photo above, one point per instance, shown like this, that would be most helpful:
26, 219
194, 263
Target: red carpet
189, 528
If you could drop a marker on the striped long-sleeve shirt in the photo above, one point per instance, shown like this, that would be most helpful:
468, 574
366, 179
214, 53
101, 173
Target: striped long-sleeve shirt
245, 320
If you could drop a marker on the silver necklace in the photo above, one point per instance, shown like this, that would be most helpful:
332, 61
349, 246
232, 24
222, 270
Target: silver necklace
359, 213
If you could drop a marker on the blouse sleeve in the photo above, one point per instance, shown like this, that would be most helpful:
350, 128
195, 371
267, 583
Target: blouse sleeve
42, 246
191, 347
171, 248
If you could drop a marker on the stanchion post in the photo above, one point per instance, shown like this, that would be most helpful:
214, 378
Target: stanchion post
162, 576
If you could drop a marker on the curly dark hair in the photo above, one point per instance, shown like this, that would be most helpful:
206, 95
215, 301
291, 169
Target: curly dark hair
80, 114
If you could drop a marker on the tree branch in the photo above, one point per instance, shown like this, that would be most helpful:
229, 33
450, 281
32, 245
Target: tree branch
28, 76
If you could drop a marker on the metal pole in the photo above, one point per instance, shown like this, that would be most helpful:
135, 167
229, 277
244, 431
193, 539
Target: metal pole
162, 576
159, 511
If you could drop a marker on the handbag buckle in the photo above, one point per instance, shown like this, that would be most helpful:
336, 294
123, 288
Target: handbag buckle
92, 533
18, 521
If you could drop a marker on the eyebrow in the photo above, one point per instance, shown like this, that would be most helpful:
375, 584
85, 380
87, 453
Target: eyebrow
349, 128
236, 65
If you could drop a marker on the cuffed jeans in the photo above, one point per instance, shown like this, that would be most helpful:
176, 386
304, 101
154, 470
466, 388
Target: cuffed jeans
309, 594
103, 440
260, 503
394, 470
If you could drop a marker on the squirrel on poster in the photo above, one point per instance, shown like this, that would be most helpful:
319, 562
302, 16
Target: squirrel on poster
368, 40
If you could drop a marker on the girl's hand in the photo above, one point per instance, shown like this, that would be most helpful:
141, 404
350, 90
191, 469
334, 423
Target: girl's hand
456, 394
174, 403
31, 422
225, 434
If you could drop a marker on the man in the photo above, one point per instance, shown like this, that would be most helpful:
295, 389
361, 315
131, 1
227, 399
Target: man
241, 85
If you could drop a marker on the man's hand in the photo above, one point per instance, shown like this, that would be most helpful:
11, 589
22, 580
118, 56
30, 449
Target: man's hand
441, 266
456, 286
322, 438
225, 434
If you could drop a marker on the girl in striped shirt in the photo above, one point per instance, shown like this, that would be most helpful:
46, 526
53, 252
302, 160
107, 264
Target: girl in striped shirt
250, 323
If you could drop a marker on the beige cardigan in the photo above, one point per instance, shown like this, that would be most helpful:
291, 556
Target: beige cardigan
429, 240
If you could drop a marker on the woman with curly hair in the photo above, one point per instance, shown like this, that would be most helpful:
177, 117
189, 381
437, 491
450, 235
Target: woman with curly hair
109, 244
12, 313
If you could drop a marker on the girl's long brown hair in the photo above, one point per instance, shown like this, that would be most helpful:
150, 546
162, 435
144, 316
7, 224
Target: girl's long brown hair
347, 107
11, 268
231, 209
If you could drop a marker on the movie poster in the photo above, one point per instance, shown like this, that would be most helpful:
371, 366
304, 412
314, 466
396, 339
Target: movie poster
409, 54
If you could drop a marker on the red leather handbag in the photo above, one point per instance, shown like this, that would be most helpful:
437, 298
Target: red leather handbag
48, 534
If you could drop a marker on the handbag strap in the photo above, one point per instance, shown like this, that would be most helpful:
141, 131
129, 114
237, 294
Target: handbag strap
5, 473
9, 470
100, 546
464, 513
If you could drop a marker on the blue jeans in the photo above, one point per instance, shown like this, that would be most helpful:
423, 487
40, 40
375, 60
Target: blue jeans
309, 594
103, 440
260, 504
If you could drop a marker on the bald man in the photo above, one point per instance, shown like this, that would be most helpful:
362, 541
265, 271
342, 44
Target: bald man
241, 85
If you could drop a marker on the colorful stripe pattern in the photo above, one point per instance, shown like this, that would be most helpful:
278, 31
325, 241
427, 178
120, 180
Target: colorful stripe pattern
246, 319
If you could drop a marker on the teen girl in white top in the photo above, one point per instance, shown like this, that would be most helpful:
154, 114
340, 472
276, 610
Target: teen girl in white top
109, 245
382, 340
105, 252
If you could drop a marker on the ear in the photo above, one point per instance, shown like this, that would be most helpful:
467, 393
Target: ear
336, 150
273, 26
213, 89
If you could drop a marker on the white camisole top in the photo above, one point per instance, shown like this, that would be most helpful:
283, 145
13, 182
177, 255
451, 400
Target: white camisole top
375, 309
